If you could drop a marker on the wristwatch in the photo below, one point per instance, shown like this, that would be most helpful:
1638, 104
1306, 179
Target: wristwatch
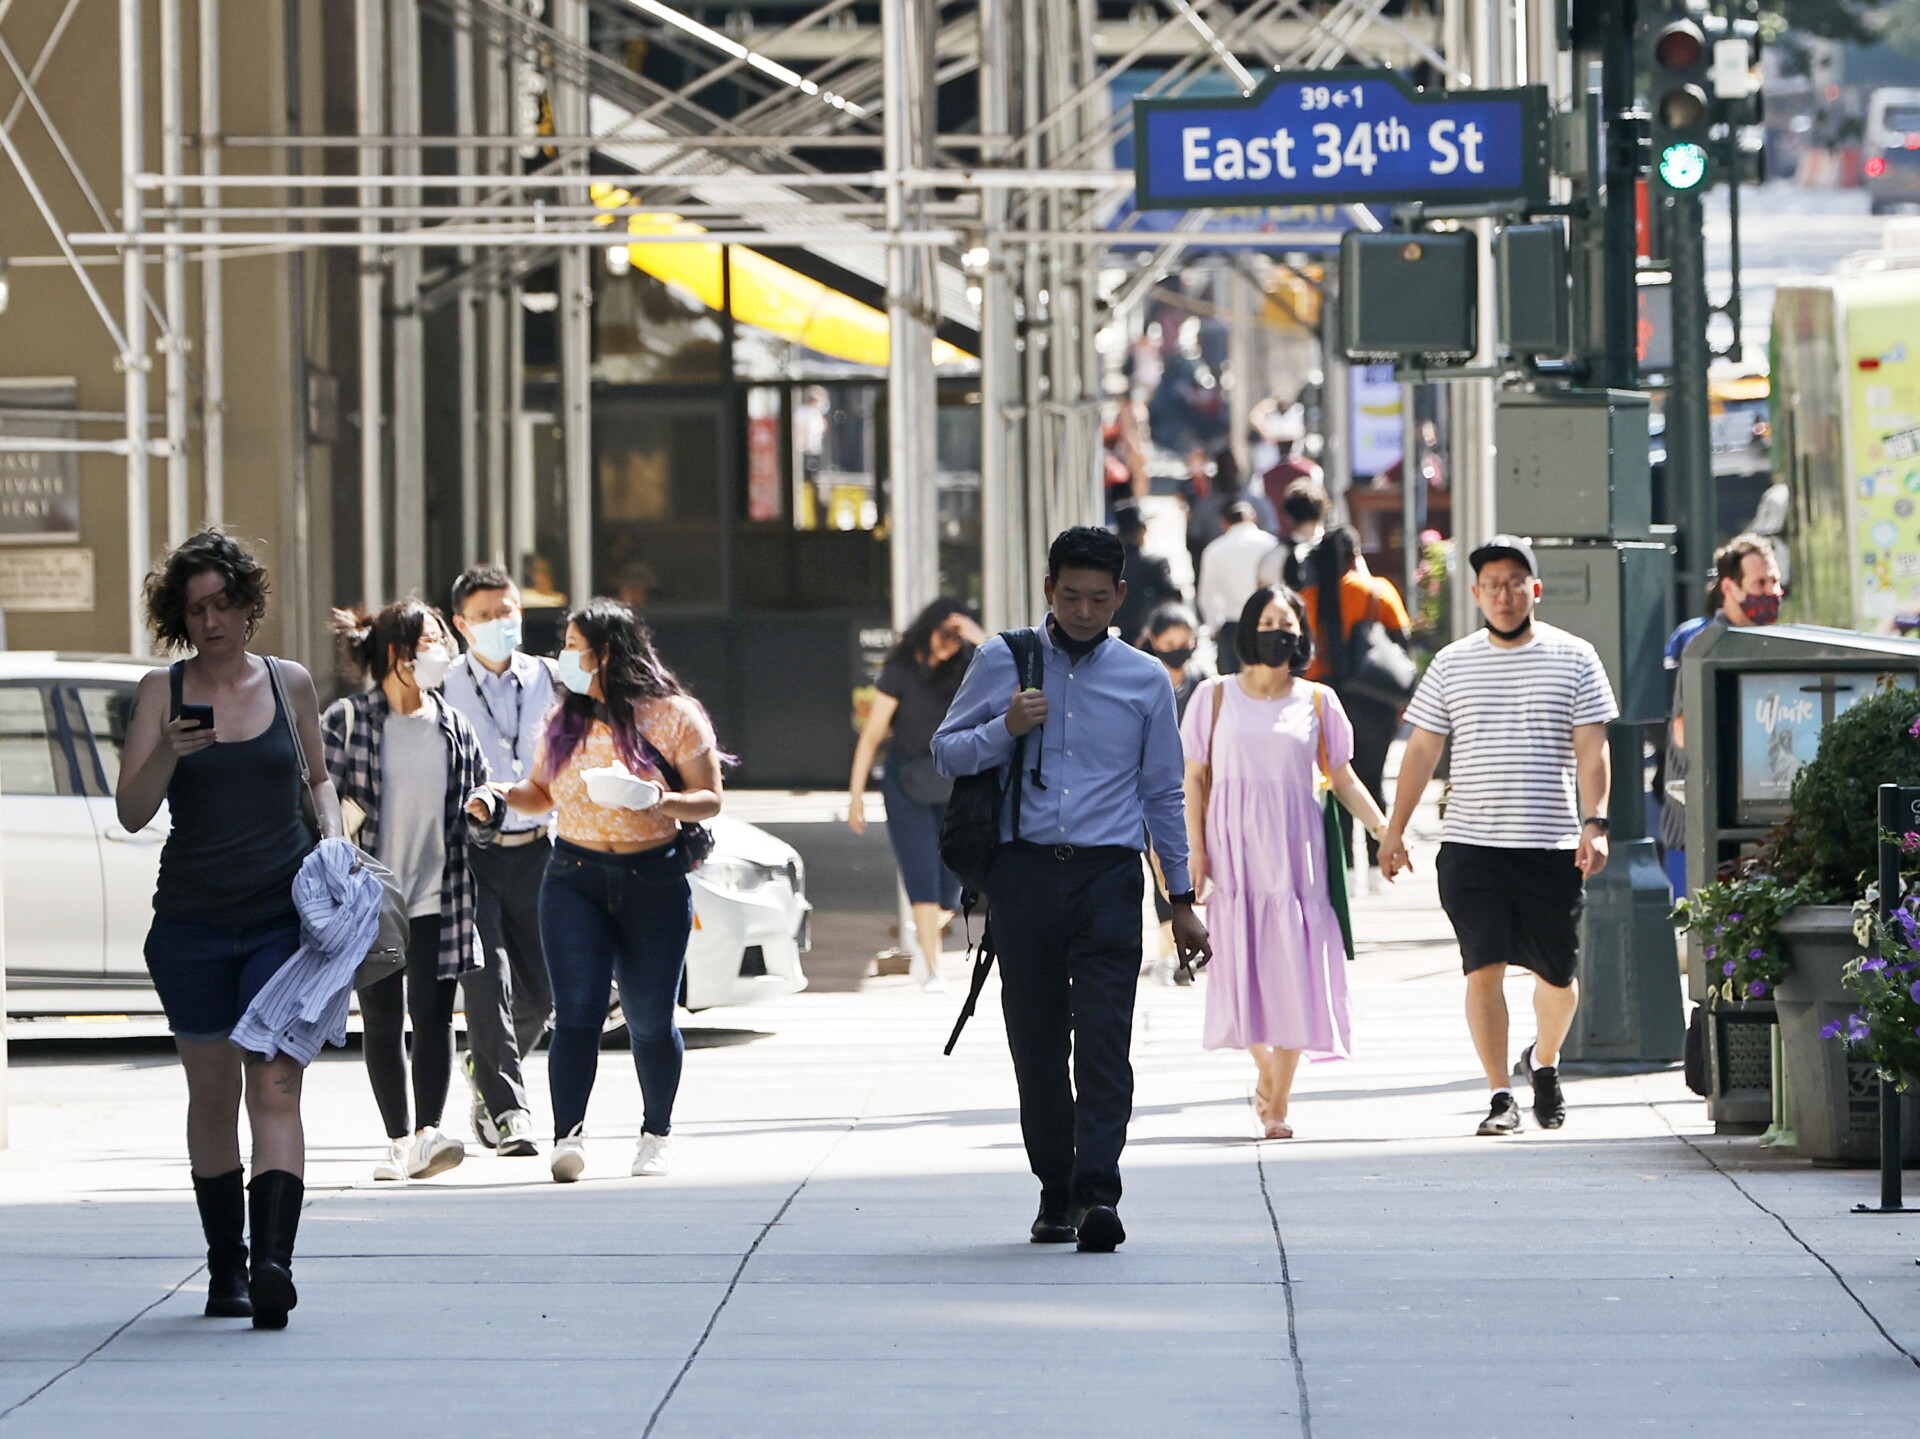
1598, 821
1185, 896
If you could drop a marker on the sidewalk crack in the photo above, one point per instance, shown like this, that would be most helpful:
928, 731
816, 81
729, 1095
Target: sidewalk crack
1286, 1288
22, 1403
1818, 1257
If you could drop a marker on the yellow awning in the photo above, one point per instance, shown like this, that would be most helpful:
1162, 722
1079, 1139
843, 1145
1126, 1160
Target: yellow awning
766, 293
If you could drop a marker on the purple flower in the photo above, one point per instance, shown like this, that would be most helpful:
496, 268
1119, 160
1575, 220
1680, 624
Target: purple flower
1758, 988
1712, 949
1755, 953
1873, 964
1914, 729
1735, 918
1913, 991
1857, 1029
1728, 968
1831, 1030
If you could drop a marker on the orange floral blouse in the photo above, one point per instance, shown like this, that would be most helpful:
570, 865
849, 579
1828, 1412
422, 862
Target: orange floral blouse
676, 726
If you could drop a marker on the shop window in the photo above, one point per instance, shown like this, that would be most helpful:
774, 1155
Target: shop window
650, 332
663, 480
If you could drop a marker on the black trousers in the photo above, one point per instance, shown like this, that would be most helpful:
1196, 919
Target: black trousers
508, 1002
417, 993
1067, 926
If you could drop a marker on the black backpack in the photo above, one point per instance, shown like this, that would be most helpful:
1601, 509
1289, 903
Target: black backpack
971, 831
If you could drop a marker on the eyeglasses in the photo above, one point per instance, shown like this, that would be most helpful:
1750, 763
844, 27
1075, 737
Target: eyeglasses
1507, 587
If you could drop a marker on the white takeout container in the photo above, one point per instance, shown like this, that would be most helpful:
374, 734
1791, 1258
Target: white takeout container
614, 786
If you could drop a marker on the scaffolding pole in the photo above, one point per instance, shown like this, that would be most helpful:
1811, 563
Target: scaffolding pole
174, 272
468, 315
576, 334
133, 358
408, 384
213, 322
370, 46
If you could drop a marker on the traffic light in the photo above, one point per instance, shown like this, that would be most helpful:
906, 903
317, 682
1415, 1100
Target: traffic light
1680, 102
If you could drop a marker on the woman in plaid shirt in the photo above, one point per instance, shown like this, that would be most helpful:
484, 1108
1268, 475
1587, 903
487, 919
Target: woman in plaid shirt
404, 762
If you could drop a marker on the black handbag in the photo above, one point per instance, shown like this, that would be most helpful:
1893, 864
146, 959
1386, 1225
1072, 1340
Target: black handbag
921, 780
1374, 667
696, 840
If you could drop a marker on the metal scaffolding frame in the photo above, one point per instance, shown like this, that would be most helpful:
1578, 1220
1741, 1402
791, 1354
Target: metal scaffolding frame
1009, 245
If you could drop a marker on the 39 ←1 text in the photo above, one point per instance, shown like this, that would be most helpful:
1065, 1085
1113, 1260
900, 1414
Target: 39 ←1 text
1328, 150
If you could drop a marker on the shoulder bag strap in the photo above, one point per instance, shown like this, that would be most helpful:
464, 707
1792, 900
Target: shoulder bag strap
286, 709
1320, 729
173, 684
1219, 689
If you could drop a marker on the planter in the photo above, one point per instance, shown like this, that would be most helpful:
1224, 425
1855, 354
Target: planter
1836, 1097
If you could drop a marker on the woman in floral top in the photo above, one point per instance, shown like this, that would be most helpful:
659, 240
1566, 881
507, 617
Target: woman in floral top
628, 757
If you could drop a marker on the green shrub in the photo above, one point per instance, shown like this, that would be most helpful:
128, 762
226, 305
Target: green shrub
1831, 838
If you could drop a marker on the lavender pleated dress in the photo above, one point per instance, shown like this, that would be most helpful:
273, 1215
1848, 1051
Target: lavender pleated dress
1278, 974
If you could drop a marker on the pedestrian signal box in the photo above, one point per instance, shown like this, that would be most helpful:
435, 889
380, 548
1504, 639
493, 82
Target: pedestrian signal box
1536, 303
1409, 294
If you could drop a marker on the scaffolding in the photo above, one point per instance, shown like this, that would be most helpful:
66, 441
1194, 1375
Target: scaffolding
1002, 230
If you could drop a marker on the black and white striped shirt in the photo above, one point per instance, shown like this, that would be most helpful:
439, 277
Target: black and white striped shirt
1510, 715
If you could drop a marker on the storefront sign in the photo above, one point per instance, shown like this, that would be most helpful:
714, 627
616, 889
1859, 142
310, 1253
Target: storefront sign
46, 581
39, 490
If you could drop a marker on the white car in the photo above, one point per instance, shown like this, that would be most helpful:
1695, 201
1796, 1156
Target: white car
78, 887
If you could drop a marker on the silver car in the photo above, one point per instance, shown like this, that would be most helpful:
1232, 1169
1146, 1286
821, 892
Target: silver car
78, 887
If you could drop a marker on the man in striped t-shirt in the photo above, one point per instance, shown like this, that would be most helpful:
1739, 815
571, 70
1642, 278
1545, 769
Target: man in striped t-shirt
1526, 708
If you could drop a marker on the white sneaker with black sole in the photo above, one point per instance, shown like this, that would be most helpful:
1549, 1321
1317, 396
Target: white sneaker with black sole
433, 1153
570, 1156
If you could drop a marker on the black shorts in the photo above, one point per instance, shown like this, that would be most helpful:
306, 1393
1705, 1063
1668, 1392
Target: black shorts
1513, 906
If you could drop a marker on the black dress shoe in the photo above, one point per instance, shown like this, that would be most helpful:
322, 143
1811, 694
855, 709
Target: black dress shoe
1052, 1227
1100, 1230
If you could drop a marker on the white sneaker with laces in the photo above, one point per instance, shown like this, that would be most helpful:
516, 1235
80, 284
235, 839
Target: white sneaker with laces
516, 1135
433, 1153
570, 1156
393, 1166
652, 1158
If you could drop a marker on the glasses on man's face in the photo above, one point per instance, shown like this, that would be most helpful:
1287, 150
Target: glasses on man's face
1507, 587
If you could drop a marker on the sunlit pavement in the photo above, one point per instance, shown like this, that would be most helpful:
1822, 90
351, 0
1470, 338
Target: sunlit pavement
841, 1250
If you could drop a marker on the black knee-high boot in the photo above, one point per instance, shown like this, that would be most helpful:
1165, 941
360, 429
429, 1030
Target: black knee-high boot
275, 1197
223, 1216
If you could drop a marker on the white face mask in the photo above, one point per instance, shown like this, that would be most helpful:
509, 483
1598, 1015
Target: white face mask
430, 667
573, 674
496, 640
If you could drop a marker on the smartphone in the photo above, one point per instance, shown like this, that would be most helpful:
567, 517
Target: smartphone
198, 716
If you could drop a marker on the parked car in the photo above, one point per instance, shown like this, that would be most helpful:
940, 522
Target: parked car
78, 887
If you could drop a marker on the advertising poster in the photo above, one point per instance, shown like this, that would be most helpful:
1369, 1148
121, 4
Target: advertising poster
1781, 717
1883, 418
1377, 440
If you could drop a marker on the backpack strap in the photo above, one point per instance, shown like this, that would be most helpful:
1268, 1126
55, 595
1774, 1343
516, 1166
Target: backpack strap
1028, 674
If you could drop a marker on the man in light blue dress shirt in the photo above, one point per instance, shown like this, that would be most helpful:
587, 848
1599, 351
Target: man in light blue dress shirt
1104, 770
505, 695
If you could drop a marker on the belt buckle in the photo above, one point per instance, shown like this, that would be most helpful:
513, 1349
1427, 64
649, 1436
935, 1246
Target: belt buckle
1063, 852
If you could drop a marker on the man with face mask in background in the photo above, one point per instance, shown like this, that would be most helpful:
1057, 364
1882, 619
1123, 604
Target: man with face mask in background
1745, 590
505, 695
1525, 706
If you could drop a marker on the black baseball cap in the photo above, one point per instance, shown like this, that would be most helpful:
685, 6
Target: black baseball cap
1505, 547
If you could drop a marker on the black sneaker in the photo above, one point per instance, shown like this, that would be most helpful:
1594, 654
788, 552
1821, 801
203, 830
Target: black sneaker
1549, 1104
1503, 1117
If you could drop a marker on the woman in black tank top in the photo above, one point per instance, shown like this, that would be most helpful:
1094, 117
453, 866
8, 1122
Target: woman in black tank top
213, 738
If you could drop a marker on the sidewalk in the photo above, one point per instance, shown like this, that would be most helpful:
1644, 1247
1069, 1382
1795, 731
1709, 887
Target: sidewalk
841, 1251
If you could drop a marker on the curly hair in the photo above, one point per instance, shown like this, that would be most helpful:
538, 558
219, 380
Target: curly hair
209, 552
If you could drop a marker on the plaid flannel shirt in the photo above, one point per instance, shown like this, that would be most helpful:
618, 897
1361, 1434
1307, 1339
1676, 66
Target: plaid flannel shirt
353, 762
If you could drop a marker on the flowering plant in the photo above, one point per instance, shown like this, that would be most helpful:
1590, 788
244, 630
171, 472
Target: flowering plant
1737, 921
1885, 1030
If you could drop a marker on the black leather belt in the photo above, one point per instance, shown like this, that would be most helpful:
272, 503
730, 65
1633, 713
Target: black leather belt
1066, 853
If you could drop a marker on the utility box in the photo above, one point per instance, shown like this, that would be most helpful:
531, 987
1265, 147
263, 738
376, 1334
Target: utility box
1536, 300
1618, 597
1574, 463
1409, 294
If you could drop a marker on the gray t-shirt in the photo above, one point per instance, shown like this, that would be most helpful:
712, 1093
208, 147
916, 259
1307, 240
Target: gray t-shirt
413, 797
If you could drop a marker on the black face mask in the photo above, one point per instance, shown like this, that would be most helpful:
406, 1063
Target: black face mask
1075, 649
1176, 658
1512, 634
1276, 647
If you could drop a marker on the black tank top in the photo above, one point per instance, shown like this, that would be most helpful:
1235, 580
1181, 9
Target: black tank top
238, 836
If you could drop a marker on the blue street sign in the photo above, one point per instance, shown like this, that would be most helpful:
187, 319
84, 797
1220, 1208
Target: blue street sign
1338, 136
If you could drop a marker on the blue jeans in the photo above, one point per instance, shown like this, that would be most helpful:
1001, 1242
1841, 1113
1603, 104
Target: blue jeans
913, 829
207, 974
606, 919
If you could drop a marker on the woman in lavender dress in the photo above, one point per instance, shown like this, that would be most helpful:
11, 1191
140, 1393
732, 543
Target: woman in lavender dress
1260, 745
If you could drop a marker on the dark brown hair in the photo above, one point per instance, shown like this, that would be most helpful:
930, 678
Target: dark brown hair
1730, 561
367, 641
209, 552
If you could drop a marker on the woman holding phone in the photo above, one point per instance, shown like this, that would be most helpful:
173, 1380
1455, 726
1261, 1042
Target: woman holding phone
404, 762
213, 737
628, 762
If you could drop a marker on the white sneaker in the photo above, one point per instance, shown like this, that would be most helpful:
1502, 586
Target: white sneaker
1376, 882
570, 1156
393, 1167
934, 983
516, 1135
484, 1128
652, 1158
433, 1153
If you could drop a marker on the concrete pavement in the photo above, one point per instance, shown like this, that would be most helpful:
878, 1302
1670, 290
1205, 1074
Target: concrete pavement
841, 1251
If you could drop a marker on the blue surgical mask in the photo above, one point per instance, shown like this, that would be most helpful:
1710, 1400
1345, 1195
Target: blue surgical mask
575, 678
496, 640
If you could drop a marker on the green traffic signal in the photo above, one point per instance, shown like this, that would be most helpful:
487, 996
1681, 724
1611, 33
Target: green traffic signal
1682, 166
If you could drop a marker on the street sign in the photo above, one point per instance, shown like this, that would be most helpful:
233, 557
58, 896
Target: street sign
1341, 136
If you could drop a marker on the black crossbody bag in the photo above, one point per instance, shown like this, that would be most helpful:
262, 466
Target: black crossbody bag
696, 840
971, 831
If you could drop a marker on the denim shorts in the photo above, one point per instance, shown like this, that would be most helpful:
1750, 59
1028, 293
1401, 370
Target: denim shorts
207, 974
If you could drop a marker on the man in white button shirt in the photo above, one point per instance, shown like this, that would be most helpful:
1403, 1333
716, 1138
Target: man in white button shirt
505, 695
1229, 574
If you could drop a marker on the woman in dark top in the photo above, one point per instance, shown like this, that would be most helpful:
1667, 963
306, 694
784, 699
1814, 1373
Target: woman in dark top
916, 685
224, 920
